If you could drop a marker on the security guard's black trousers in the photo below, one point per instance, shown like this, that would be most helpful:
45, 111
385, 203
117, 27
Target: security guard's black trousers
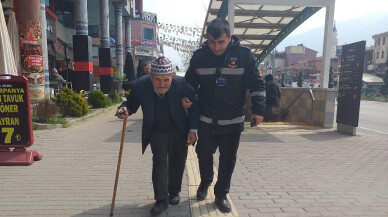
206, 147
168, 162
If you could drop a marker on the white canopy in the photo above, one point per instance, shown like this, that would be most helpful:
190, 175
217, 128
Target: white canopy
7, 61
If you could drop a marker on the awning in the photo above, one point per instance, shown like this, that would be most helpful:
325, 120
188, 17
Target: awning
371, 79
7, 61
262, 24
14, 39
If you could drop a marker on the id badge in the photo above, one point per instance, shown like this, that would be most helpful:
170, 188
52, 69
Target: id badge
221, 82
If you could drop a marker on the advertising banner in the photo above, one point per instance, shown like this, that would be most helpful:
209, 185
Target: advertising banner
15, 112
32, 59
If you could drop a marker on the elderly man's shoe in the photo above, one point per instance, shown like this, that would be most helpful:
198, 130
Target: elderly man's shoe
202, 191
159, 206
174, 198
223, 204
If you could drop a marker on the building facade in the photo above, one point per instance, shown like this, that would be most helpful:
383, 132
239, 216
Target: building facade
295, 54
380, 53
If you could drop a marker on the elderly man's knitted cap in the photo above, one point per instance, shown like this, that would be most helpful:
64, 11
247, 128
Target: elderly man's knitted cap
161, 66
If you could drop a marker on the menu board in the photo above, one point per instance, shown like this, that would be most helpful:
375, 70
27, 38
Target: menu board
350, 83
15, 112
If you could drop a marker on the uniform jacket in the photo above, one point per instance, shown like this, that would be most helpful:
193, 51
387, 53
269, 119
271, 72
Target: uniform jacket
222, 107
142, 94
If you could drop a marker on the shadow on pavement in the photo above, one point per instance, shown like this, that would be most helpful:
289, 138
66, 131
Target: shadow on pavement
132, 133
180, 210
260, 138
324, 136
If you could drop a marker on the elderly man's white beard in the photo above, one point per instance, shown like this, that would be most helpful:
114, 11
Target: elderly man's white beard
160, 94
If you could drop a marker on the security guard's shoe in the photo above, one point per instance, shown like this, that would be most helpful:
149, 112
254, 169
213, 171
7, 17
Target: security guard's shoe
174, 198
223, 204
159, 206
202, 191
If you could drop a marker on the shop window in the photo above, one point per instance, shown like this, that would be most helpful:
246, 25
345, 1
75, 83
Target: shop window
149, 34
64, 11
112, 32
95, 52
93, 31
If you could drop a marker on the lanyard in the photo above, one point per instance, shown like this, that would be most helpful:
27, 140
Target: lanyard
218, 68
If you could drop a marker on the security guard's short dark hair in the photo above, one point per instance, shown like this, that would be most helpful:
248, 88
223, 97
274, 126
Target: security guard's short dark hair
217, 27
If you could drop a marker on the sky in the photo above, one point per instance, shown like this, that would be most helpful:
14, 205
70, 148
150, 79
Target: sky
193, 13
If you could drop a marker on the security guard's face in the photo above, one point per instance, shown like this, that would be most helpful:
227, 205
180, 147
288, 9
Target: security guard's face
218, 45
161, 83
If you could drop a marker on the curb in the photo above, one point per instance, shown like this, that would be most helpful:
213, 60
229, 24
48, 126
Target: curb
96, 112
72, 121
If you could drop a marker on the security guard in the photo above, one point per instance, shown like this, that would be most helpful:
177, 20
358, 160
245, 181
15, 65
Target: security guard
220, 72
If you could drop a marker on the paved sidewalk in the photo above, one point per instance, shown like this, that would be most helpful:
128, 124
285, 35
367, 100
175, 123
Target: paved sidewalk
282, 170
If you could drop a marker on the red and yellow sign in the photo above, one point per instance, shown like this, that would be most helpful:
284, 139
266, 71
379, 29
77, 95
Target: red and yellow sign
15, 112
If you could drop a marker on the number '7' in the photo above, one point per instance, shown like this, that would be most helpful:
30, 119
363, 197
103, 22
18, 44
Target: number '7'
9, 132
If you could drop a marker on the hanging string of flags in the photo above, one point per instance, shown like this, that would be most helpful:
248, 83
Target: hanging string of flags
182, 38
180, 30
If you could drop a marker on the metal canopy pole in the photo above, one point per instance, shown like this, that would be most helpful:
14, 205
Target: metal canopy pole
231, 4
324, 80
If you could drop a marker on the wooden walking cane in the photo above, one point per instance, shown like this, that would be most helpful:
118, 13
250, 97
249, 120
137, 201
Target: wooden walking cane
118, 166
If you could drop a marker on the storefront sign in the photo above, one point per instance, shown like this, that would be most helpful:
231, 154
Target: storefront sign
149, 17
349, 92
15, 112
148, 43
136, 41
143, 51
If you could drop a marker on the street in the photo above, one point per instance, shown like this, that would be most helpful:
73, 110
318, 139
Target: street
373, 116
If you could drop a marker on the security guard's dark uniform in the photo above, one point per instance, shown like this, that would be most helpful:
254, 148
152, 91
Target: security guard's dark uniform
221, 83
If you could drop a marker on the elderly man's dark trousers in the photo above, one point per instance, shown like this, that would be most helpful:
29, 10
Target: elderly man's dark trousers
206, 147
168, 162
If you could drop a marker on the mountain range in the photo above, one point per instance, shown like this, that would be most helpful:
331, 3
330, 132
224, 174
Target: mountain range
349, 31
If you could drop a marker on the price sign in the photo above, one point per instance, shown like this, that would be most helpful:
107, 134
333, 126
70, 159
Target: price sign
15, 112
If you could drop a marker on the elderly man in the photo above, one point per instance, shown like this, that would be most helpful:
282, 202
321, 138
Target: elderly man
167, 126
